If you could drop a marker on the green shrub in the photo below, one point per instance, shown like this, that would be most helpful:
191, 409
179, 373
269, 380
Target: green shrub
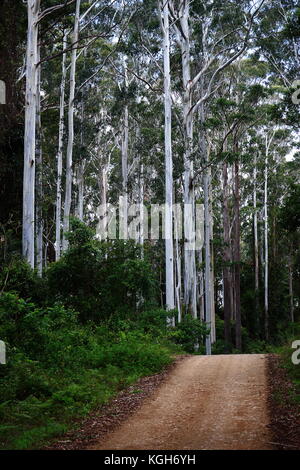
18, 277
99, 278
59, 369
190, 334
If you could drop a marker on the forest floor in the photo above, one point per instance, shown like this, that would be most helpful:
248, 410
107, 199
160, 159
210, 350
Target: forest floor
206, 402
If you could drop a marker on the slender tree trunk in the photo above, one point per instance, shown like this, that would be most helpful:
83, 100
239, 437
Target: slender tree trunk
60, 152
207, 275
142, 214
80, 171
69, 159
201, 288
291, 289
80, 183
255, 233
28, 245
178, 276
125, 145
237, 255
39, 176
266, 230
103, 186
226, 260
169, 248
212, 271
190, 300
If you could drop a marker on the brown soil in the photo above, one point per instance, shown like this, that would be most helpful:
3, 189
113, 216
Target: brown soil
207, 402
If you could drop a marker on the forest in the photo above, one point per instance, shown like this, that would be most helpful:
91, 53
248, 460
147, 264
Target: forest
149, 194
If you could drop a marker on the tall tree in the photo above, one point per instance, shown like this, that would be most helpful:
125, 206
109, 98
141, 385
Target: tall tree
69, 157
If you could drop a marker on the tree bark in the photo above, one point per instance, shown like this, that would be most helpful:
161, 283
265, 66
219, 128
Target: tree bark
125, 145
69, 159
189, 193
169, 248
237, 255
28, 231
266, 240
227, 281
60, 152
255, 233
39, 176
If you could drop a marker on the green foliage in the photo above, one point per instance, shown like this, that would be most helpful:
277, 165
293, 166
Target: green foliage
59, 369
293, 370
190, 334
99, 278
17, 276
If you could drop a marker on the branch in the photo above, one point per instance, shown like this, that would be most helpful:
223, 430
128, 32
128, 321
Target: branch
232, 59
50, 10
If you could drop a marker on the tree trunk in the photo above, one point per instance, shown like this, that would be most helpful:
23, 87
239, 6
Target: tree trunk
237, 255
212, 271
125, 144
291, 290
227, 280
255, 233
80, 184
39, 176
60, 151
169, 248
207, 276
189, 196
69, 159
266, 229
28, 245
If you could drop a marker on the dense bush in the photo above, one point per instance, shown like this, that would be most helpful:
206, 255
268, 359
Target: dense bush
59, 368
99, 278
17, 276
190, 334
89, 328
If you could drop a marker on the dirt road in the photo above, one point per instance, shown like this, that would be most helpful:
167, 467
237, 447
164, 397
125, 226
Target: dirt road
208, 402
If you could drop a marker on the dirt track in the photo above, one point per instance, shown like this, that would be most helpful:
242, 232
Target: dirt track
208, 402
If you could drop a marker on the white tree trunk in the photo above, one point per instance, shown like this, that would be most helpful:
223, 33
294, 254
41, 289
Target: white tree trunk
169, 248
266, 229
125, 146
212, 282
256, 264
28, 245
189, 196
60, 151
142, 214
39, 176
178, 275
80, 184
201, 288
207, 273
69, 159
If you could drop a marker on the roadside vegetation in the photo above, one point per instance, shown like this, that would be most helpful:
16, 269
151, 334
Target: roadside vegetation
91, 327
284, 382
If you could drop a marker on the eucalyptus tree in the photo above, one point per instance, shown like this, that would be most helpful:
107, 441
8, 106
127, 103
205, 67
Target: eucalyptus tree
69, 157
28, 243
60, 149
169, 231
